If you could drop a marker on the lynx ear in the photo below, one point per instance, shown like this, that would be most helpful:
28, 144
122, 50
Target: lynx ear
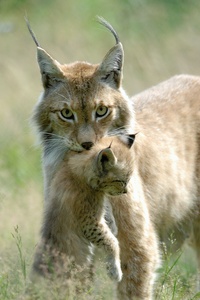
128, 139
110, 70
106, 160
49, 68
131, 139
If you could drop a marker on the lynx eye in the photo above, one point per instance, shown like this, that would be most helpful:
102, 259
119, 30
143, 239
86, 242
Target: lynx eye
67, 114
101, 111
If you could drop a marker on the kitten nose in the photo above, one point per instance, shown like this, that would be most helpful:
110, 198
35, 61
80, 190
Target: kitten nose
87, 145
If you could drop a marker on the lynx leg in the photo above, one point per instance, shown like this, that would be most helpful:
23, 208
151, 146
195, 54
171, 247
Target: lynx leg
138, 249
196, 245
109, 218
59, 248
100, 235
198, 274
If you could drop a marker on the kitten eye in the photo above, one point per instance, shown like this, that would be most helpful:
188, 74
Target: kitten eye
67, 114
101, 111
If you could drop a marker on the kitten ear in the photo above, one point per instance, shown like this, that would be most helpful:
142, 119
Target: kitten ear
131, 139
110, 70
49, 68
128, 139
106, 160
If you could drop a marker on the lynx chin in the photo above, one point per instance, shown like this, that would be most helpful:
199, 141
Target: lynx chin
82, 106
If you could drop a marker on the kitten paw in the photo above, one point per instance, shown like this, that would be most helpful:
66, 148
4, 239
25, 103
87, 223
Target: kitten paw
114, 270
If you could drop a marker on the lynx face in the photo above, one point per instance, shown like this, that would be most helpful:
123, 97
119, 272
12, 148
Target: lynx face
81, 102
78, 112
107, 167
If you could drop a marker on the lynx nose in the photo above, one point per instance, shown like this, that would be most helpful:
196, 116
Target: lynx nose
87, 145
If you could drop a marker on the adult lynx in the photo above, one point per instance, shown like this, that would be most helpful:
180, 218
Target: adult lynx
81, 104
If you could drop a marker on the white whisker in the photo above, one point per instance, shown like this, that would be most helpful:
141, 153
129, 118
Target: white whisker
57, 136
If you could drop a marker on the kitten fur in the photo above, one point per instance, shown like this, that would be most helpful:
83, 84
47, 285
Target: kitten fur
74, 214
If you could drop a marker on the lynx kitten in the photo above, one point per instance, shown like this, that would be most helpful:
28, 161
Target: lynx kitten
74, 214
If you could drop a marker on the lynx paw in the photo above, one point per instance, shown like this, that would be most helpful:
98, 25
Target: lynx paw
114, 269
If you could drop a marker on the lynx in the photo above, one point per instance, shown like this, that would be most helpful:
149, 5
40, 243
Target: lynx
74, 214
83, 103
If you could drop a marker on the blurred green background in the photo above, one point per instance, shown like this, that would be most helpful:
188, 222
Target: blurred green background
161, 38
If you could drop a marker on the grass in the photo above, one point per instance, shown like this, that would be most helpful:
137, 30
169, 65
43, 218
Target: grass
173, 283
160, 38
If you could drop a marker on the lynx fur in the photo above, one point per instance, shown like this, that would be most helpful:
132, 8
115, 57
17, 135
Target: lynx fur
83, 103
74, 214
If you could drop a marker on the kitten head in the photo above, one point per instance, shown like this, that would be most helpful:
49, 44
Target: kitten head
107, 167
81, 102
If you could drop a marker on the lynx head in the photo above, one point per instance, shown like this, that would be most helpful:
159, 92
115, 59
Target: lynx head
107, 167
81, 102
